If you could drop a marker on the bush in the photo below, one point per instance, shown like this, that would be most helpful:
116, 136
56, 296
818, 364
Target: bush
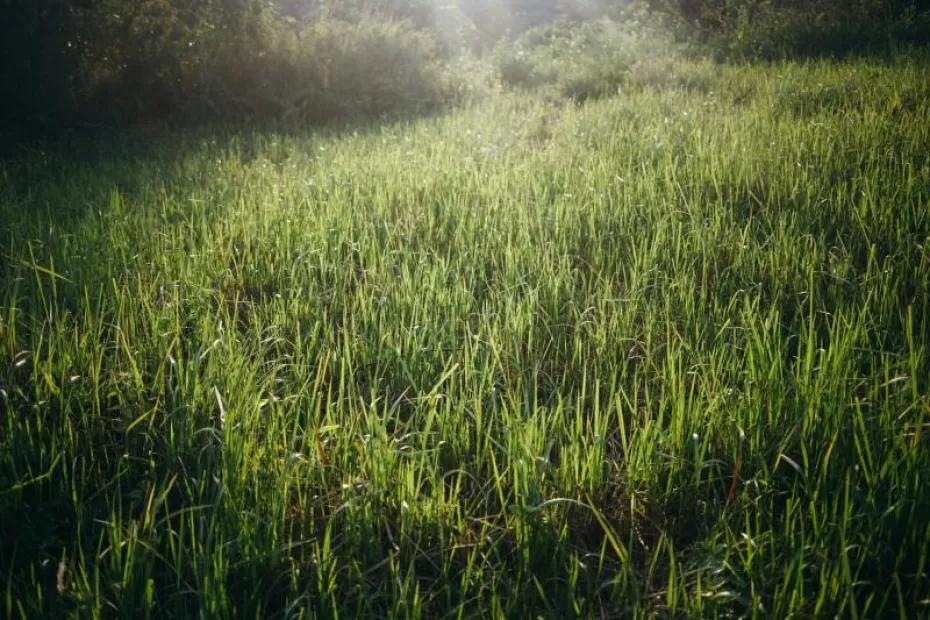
328, 70
579, 61
369, 68
784, 28
177, 62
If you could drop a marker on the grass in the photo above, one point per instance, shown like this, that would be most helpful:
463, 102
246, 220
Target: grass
664, 354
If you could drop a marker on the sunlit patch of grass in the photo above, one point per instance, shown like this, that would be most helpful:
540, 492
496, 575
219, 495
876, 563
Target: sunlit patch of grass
659, 354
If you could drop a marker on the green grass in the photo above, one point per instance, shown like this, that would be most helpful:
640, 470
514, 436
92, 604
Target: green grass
664, 354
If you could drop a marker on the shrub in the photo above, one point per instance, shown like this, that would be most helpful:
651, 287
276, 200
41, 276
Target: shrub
177, 62
327, 70
785, 28
579, 61
369, 68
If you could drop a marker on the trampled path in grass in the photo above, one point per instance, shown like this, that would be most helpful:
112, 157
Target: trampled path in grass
664, 354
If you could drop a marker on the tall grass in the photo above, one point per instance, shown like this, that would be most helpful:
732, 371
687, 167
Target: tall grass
664, 354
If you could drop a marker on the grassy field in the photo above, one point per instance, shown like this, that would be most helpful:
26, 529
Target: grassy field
663, 354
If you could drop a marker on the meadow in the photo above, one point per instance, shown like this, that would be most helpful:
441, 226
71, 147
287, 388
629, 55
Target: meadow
662, 354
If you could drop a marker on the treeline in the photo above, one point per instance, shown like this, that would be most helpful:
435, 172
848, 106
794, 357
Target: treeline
759, 29
106, 62
90, 63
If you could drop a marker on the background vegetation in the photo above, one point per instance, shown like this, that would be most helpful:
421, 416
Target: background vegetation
167, 61
72, 63
790, 28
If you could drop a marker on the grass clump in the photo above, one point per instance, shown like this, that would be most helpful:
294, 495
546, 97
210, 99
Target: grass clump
580, 61
597, 58
659, 354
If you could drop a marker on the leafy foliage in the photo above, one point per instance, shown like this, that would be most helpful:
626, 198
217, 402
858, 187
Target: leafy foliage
784, 28
216, 61
584, 60
419, 12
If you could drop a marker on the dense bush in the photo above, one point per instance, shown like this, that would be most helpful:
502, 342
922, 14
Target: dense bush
329, 69
66, 63
584, 60
69, 63
40, 52
786, 28
578, 62
369, 68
